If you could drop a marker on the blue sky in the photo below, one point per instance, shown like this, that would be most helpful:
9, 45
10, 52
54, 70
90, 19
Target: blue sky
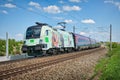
90, 17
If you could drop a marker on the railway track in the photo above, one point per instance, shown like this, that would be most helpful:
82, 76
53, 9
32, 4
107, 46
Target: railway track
24, 69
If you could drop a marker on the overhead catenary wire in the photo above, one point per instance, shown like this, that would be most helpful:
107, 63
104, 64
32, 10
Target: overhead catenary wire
45, 16
26, 9
71, 11
40, 14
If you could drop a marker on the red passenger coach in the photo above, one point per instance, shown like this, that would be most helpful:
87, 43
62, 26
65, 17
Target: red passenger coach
81, 42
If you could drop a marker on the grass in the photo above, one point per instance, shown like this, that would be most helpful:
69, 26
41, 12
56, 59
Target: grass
109, 67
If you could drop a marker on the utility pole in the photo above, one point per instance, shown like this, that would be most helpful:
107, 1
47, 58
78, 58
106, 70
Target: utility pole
73, 29
7, 44
110, 37
90, 40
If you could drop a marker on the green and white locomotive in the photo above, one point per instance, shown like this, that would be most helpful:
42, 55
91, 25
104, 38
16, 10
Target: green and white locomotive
42, 39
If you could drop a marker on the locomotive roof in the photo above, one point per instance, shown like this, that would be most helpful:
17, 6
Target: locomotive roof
39, 25
84, 36
35, 26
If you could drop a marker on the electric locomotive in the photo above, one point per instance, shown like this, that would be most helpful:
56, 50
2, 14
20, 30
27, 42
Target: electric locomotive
42, 39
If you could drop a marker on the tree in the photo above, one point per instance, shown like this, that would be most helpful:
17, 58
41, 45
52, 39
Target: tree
2, 47
14, 47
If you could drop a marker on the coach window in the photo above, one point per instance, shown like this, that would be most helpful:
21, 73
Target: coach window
46, 32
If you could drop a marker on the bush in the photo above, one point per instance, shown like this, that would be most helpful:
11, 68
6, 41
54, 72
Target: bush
2, 54
114, 44
14, 47
2, 47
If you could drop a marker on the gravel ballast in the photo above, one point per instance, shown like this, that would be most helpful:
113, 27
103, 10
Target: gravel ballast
81, 68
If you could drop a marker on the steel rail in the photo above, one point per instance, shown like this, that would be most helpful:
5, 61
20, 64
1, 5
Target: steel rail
24, 69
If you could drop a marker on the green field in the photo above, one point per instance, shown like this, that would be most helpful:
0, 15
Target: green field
109, 67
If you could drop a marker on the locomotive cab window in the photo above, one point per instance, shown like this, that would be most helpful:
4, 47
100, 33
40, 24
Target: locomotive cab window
33, 32
47, 32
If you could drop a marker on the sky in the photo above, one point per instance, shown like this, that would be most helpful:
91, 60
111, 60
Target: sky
91, 18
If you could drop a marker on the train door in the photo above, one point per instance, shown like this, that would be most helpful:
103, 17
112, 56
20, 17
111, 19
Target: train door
48, 37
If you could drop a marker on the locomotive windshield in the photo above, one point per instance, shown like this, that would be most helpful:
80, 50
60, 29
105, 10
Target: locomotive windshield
33, 32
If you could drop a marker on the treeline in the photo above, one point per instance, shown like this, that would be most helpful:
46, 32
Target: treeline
14, 47
114, 44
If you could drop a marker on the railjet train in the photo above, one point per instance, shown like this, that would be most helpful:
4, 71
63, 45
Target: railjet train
42, 39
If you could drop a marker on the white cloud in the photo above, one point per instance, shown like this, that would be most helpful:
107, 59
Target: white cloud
58, 27
4, 11
68, 21
71, 8
52, 9
58, 18
30, 9
35, 4
19, 36
82, 33
117, 4
77, 1
88, 21
9, 5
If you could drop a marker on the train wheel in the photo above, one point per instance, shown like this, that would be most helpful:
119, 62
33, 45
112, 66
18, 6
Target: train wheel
44, 53
54, 51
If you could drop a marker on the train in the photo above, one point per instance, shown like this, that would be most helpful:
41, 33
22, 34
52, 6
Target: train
42, 39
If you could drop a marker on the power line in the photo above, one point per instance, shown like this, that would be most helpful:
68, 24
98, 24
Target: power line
49, 18
110, 37
71, 12
23, 8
